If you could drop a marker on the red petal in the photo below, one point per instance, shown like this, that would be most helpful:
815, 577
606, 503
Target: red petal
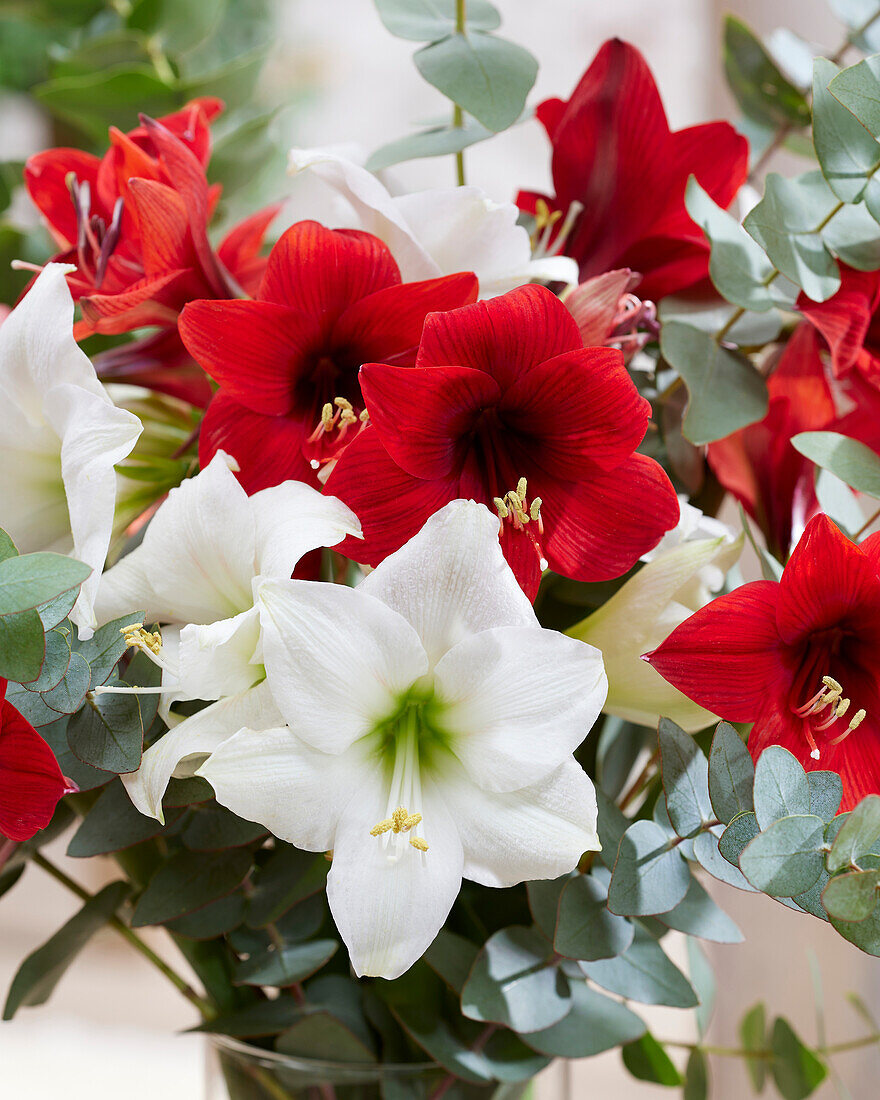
324, 271
139, 305
390, 321
728, 657
163, 227
391, 504
504, 336
613, 152
239, 251
268, 449
828, 582
188, 178
31, 782
844, 319
45, 176
424, 416
578, 410
758, 464
254, 350
598, 528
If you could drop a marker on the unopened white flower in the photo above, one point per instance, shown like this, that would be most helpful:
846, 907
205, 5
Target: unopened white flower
639, 616
437, 232
60, 437
431, 726
196, 568
694, 526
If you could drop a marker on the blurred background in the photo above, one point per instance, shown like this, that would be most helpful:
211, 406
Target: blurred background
308, 73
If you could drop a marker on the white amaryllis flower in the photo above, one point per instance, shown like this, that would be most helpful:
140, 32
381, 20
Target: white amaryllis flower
437, 232
640, 615
196, 570
431, 725
60, 437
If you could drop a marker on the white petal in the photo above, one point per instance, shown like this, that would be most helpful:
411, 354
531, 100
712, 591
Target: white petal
537, 832
464, 230
197, 557
387, 912
451, 580
337, 660
293, 518
273, 777
520, 700
637, 618
183, 749
37, 348
95, 435
218, 659
375, 208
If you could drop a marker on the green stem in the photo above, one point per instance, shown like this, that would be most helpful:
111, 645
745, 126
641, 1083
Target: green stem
741, 1052
867, 524
457, 113
205, 1008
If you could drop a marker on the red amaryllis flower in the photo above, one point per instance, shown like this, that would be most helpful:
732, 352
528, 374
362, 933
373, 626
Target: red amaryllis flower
507, 407
798, 658
287, 364
758, 464
614, 154
31, 782
134, 223
608, 312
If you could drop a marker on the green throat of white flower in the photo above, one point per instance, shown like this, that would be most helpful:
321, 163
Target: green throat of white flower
409, 742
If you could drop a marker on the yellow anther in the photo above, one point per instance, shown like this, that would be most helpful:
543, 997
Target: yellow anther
856, 720
842, 708
543, 216
138, 638
535, 510
418, 843
347, 417
830, 682
501, 508
327, 417
364, 417
343, 403
329, 856
829, 697
401, 821
521, 487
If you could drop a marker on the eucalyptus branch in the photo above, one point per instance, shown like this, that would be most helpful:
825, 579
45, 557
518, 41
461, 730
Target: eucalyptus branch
206, 1009
449, 1080
781, 135
826, 1050
641, 781
457, 113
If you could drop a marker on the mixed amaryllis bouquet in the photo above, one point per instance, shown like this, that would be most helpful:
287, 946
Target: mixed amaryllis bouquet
362, 595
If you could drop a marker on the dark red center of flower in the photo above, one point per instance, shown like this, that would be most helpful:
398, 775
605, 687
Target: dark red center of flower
332, 391
823, 711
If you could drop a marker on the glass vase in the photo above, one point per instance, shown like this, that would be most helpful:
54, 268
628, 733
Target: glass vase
238, 1071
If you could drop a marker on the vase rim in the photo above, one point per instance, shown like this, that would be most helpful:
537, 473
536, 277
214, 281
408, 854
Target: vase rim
315, 1065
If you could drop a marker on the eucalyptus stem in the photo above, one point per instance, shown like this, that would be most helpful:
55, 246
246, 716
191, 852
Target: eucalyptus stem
449, 1080
741, 1052
205, 1007
457, 113
868, 522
